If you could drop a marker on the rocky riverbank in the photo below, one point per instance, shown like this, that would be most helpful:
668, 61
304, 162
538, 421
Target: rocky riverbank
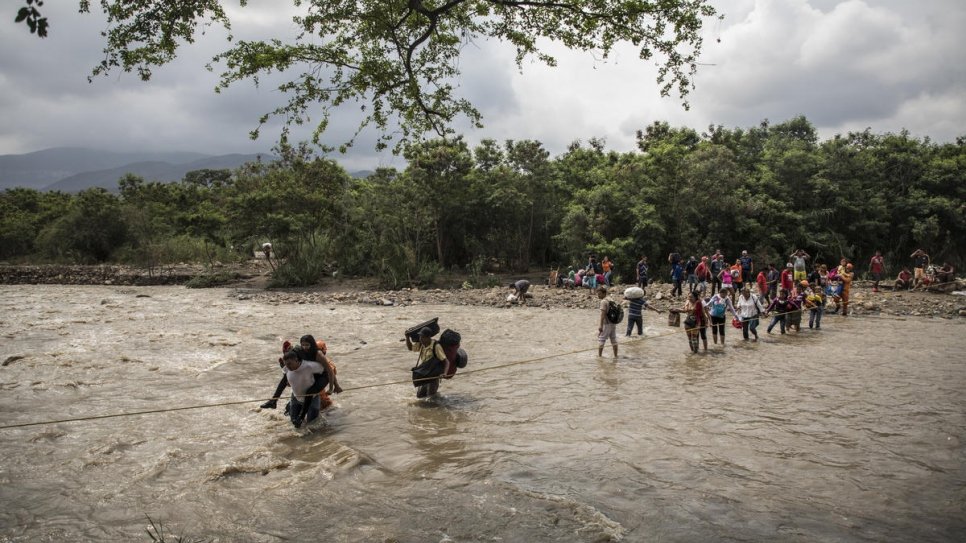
864, 301
249, 280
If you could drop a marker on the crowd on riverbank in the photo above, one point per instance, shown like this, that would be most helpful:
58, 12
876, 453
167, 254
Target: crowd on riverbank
249, 280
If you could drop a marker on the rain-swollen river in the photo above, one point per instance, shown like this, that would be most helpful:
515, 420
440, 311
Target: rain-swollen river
853, 433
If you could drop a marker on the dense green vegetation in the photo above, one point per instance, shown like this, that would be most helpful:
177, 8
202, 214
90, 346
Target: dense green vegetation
769, 189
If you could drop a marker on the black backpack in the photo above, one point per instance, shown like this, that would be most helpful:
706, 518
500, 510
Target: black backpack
450, 337
615, 312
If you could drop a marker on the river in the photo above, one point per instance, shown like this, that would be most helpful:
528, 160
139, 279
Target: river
853, 433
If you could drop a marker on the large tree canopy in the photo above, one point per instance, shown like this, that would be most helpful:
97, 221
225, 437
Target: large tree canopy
398, 60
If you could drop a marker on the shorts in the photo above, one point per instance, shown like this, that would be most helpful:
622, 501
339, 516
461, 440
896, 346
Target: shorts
877, 276
800, 276
608, 331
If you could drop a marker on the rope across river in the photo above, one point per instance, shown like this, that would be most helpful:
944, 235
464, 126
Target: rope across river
350, 389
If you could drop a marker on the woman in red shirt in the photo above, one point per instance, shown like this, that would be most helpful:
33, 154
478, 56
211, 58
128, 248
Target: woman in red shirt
696, 323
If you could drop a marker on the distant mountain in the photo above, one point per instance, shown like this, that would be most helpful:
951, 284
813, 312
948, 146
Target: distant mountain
42, 168
73, 169
150, 171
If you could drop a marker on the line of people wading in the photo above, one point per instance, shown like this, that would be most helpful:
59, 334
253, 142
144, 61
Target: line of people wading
716, 291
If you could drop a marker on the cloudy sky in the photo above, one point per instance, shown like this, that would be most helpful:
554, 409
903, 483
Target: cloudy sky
846, 65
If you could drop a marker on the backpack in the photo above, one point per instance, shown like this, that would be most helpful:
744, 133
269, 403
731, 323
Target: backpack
615, 313
450, 337
718, 308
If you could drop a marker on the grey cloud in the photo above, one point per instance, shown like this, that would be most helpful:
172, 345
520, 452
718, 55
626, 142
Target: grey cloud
885, 65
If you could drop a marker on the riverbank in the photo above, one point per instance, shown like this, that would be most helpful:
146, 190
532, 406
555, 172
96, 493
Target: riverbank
250, 279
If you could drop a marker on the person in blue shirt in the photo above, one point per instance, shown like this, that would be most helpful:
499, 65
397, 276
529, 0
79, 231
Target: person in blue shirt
635, 314
747, 267
677, 274
642, 272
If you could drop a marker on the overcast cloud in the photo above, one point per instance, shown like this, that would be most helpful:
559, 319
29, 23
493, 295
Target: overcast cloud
846, 65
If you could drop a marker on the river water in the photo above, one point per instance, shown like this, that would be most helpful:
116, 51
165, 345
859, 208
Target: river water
854, 433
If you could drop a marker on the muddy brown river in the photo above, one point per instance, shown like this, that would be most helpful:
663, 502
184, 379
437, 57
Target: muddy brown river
853, 433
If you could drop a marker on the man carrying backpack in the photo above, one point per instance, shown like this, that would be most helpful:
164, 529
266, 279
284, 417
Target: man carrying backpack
611, 315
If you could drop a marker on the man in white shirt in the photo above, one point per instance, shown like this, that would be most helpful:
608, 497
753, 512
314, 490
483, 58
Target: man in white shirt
307, 379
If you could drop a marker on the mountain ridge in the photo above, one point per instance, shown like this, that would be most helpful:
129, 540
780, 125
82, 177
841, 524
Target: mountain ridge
73, 169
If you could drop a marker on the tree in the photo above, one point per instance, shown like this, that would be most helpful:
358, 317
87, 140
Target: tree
399, 60
438, 171
89, 230
30, 16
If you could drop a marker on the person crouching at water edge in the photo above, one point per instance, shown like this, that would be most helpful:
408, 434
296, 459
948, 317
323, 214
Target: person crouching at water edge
519, 289
431, 364
307, 379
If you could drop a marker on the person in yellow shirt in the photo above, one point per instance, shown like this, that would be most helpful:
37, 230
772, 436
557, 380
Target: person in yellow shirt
432, 362
815, 303
846, 278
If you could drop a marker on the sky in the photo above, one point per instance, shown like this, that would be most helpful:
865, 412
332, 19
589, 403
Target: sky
849, 65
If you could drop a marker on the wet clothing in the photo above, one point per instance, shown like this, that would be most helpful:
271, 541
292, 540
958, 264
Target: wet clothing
302, 378
609, 329
718, 307
781, 307
750, 307
307, 382
635, 315
748, 311
430, 363
815, 303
